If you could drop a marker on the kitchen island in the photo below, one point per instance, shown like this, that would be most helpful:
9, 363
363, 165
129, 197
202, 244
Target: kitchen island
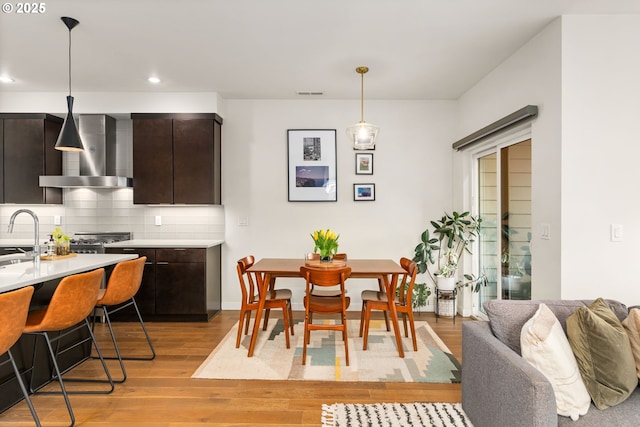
45, 276
16, 276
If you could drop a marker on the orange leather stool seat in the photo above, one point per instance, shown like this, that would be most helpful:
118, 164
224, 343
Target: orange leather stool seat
124, 282
73, 300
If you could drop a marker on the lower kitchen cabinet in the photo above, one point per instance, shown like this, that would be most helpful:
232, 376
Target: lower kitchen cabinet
178, 284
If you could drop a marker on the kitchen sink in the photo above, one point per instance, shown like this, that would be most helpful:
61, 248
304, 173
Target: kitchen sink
14, 259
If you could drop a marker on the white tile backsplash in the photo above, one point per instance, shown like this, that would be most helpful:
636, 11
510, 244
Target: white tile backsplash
113, 210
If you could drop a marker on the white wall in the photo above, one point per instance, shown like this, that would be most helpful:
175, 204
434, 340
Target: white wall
600, 152
412, 164
530, 76
582, 73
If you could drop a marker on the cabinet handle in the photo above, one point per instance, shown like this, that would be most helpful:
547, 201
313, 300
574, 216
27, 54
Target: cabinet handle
179, 249
162, 263
148, 263
128, 249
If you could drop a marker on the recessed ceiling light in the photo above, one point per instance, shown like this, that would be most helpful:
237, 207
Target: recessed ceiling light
153, 80
5, 79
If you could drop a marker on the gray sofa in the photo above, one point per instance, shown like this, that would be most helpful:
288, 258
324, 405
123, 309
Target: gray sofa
500, 388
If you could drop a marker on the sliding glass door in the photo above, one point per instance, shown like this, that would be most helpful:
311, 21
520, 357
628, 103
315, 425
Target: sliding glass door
504, 204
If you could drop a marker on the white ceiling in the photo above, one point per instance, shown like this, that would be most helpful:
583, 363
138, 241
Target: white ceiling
415, 49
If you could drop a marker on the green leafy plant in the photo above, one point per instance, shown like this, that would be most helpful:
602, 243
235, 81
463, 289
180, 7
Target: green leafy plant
420, 295
442, 248
59, 237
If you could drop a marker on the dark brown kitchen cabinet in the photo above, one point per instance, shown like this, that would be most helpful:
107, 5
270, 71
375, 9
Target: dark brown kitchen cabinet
27, 143
177, 158
179, 284
180, 275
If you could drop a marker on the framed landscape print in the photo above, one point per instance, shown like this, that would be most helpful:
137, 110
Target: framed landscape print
364, 163
363, 192
312, 165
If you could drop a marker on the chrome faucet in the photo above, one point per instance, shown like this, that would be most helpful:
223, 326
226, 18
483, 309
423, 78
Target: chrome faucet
36, 226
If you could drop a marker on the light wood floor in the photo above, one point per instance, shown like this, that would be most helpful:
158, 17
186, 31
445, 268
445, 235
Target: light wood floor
160, 393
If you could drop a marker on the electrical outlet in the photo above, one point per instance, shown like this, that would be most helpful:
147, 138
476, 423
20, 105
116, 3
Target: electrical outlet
56, 220
158, 220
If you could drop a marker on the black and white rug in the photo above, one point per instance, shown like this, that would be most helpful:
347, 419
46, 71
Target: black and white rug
394, 414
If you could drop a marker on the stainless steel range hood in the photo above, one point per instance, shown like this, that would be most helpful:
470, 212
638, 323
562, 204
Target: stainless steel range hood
97, 161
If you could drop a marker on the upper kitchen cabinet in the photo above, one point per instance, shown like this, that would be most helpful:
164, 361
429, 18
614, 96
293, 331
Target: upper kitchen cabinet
27, 143
177, 158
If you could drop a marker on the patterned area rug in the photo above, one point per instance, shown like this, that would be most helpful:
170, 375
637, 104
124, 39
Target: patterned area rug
432, 363
394, 414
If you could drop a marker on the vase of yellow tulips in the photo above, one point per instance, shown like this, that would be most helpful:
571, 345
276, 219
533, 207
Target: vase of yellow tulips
326, 243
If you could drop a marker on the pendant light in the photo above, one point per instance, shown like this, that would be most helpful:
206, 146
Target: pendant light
362, 135
69, 138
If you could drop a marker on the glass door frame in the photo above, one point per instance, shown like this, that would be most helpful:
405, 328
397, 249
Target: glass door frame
491, 145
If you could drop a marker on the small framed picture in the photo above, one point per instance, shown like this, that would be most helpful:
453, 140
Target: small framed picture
364, 163
362, 192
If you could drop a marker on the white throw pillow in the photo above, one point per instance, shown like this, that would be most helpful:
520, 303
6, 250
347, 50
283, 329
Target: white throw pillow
546, 347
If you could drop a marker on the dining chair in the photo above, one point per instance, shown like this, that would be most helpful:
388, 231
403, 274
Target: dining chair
329, 291
123, 284
376, 300
67, 312
275, 298
325, 277
14, 307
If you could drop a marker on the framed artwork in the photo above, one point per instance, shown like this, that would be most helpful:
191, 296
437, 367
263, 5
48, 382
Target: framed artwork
364, 163
363, 192
312, 165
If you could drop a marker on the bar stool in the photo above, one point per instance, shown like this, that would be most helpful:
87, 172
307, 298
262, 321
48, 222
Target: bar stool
67, 312
123, 284
14, 307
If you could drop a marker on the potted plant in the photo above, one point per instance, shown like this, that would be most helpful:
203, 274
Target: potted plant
419, 296
451, 237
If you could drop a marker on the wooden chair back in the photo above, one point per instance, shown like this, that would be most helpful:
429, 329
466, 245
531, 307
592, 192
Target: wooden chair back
406, 282
248, 286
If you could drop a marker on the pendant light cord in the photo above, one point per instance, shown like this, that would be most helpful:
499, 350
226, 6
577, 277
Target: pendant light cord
361, 97
69, 62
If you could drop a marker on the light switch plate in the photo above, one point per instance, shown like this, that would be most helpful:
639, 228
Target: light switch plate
56, 220
617, 233
158, 220
545, 231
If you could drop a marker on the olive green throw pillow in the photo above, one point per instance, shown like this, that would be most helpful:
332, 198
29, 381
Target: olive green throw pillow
603, 352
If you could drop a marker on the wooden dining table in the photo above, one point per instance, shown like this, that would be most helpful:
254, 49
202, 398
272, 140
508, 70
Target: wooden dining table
267, 270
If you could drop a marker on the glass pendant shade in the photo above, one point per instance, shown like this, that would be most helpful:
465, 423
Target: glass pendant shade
69, 138
363, 136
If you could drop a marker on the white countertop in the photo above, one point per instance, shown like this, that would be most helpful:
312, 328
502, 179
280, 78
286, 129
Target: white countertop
165, 243
15, 276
